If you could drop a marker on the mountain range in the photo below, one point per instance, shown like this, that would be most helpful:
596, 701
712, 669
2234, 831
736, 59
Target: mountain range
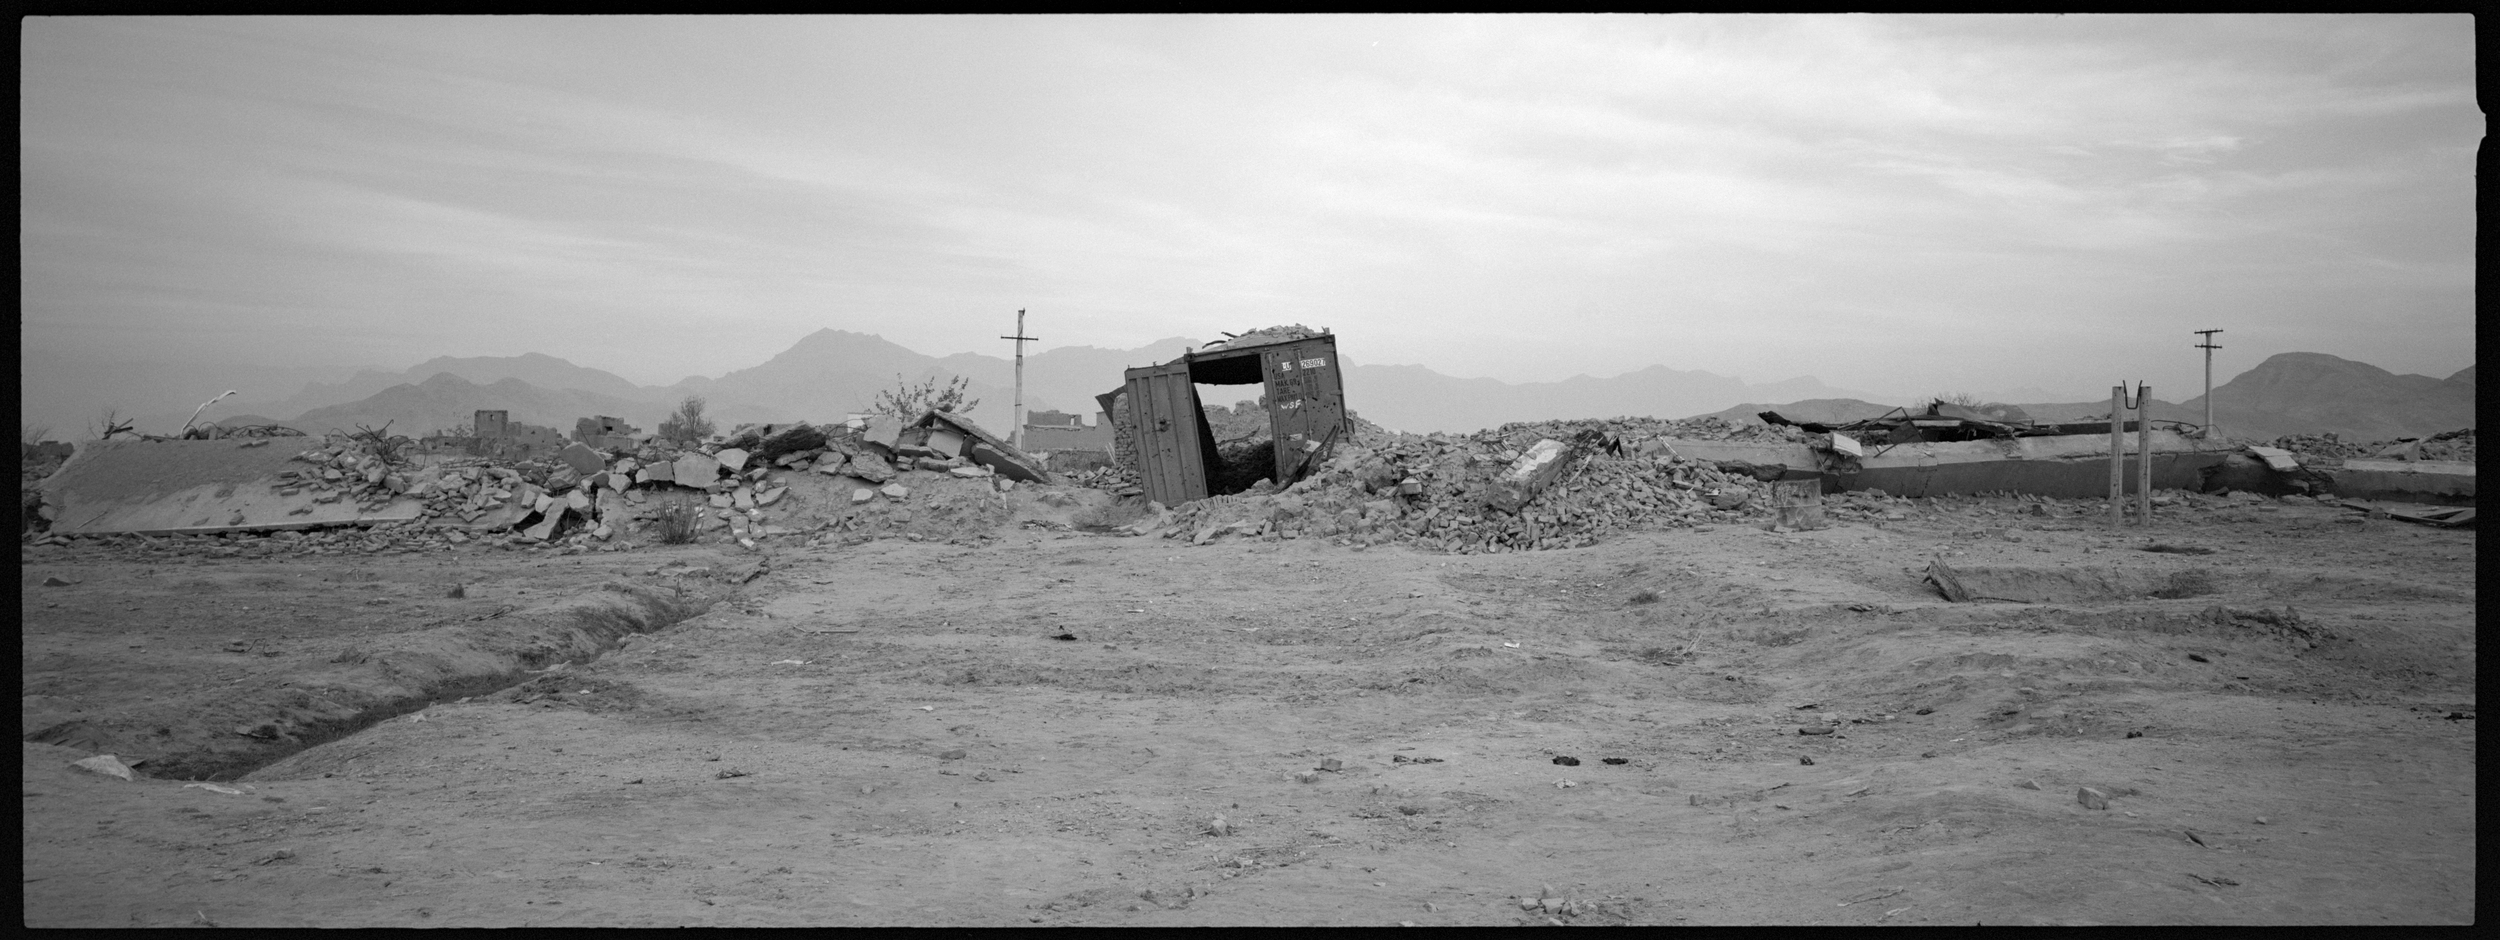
830, 373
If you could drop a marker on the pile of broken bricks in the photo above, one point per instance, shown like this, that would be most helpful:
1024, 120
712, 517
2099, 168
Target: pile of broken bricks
1521, 487
584, 496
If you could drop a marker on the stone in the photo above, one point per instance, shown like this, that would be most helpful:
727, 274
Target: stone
657, 472
2091, 798
895, 490
2029, 784
869, 467
1012, 466
626, 466
861, 495
771, 496
742, 498
1005, 484
969, 473
583, 458
731, 459
546, 527
604, 532
578, 501
1529, 475
696, 470
930, 463
719, 500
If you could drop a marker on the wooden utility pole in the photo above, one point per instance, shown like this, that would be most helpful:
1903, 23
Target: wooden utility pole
2209, 347
1016, 435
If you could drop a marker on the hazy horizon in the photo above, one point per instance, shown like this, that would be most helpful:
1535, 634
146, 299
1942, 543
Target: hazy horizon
1897, 204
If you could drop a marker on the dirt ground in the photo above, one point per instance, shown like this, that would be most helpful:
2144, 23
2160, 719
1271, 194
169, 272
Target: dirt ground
1045, 728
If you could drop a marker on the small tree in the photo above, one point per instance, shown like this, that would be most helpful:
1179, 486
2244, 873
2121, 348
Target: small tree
29, 437
907, 401
688, 424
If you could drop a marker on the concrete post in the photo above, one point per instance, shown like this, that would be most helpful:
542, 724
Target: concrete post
2144, 455
2117, 455
1015, 434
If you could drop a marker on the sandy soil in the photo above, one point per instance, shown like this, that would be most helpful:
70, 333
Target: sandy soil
1043, 728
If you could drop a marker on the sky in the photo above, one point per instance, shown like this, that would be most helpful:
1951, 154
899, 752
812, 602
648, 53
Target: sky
1899, 204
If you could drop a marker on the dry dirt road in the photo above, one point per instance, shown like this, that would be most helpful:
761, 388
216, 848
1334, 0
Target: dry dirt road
1045, 729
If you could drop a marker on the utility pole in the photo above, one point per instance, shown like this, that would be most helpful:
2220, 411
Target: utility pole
1016, 435
2209, 347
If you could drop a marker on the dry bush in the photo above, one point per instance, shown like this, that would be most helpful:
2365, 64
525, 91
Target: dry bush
676, 519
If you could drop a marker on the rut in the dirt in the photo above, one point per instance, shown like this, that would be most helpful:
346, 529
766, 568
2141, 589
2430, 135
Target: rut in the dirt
234, 732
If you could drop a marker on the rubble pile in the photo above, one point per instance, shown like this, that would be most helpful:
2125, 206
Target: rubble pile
2455, 445
1445, 492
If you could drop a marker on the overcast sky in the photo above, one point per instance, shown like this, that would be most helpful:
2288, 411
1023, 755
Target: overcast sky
1886, 203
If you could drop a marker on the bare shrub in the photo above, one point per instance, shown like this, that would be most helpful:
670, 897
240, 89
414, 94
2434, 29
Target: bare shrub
675, 520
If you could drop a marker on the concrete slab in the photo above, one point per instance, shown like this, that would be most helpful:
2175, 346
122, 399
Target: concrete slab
696, 470
2073, 466
583, 459
2431, 481
194, 487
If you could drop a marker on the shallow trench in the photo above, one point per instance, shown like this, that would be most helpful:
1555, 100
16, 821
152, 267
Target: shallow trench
412, 673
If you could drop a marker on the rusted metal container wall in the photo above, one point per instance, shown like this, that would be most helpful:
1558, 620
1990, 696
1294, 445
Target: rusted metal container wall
1305, 402
1163, 407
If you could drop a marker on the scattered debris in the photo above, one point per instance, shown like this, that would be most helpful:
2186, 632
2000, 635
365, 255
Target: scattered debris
1875, 895
2169, 549
104, 764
